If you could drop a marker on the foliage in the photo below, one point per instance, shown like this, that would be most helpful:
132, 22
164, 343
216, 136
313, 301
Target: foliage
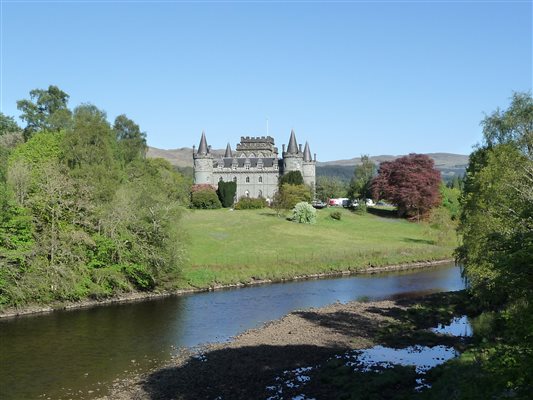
288, 195
304, 213
205, 198
362, 178
7, 124
496, 225
450, 200
46, 110
291, 178
411, 183
336, 215
226, 193
250, 203
131, 141
79, 218
329, 188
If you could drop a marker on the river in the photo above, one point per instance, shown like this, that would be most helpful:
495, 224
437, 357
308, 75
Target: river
78, 353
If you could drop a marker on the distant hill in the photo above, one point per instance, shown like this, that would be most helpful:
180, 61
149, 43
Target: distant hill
448, 164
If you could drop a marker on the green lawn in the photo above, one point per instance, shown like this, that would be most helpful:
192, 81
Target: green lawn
238, 246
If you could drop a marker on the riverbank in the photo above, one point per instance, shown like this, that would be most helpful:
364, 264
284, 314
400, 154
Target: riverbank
141, 296
299, 354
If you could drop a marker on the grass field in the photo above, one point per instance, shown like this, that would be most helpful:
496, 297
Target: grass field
240, 246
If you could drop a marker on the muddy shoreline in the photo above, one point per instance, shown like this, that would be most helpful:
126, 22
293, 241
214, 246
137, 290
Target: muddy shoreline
140, 296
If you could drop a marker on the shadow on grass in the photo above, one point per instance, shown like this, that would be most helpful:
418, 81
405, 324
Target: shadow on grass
383, 213
421, 241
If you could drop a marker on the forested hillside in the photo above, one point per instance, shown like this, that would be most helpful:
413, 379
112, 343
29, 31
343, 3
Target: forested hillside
83, 212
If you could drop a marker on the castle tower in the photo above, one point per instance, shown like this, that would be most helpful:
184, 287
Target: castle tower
309, 168
203, 163
293, 157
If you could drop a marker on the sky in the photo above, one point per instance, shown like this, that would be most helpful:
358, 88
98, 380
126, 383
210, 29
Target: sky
350, 77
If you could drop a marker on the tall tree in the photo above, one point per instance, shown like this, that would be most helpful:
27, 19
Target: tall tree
329, 187
46, 110
411, 183
131, 141
362, 179
497, 213
7, 124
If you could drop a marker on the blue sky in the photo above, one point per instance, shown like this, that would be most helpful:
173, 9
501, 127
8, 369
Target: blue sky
352, 77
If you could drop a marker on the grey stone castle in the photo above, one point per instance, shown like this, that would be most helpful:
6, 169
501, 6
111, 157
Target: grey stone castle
254, 165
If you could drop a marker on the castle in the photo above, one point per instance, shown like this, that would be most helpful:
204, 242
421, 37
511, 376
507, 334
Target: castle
254, 166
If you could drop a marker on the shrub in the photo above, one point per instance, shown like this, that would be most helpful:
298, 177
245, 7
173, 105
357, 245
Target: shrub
226, 193
205, 199
336, 215
289, 195
304, 213
250, 203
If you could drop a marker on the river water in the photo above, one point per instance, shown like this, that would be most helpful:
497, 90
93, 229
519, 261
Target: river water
77, 354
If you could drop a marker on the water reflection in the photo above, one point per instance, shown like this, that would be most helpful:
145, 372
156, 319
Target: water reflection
83, 350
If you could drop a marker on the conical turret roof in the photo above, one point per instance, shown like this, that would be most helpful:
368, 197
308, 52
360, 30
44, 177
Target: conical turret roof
203, 149
307, 152
293, 146
228, 152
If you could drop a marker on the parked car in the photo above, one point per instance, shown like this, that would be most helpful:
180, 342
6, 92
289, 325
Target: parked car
318, 204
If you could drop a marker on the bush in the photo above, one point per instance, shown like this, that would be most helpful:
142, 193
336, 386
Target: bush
250, 203
226, 193
336, 215
205, 199
304, 213
289, 195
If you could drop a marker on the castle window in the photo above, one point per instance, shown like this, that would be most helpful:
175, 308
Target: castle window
260, 179
247, 166
235, 179
221, 180
260, 194
247, 193
247, 179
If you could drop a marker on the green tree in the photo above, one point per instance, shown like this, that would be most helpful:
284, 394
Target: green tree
46, 110
7, 124
131, 141
292, 178
360, 184
226, 193
329, 187
289, 195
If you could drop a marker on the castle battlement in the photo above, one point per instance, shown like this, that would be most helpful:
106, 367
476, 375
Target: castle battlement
254, 166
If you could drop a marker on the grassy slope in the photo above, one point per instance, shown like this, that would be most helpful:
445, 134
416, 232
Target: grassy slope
237, 246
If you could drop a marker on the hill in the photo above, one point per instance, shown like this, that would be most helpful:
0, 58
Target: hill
448, 164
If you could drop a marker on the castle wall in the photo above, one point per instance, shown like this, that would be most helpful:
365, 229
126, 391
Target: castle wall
203, 170
309, 173
267, 188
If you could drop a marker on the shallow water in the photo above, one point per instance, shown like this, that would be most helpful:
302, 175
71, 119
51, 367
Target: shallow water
79, 353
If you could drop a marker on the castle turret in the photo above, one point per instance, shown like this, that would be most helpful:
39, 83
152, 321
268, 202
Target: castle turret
203, 163
293, 157
309, 167
228, 153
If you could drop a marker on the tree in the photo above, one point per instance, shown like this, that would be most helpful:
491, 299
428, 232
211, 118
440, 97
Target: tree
289, 195
411, 183
7, 124
362, 179
497, 207
292, 178
131, 141
329, 187
46, 110
226, 193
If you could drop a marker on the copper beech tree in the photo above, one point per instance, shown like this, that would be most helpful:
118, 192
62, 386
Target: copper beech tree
411, 183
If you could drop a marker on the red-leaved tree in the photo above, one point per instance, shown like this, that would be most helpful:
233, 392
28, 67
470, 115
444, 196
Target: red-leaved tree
411, 183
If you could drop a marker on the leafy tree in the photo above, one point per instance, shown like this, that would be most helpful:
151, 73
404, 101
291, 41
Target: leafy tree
289, 195
329, 187
410, 182
291, 178
362, 178
46, 110
226, 193
131, 141
497, 207
7, 124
